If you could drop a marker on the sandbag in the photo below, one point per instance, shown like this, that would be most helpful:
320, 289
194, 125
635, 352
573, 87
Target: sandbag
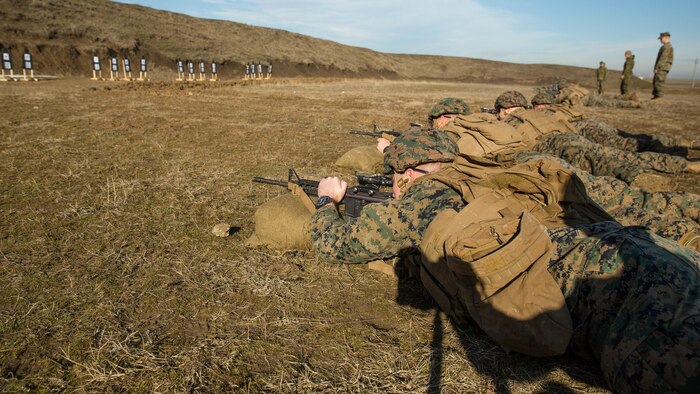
363, 158
282, 223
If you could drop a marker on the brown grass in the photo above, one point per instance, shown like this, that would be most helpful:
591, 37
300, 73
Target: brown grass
111, 281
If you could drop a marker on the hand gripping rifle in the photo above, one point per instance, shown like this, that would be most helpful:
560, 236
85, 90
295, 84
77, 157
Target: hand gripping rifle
355, 198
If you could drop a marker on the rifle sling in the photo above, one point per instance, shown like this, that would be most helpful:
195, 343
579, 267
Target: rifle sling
303, 197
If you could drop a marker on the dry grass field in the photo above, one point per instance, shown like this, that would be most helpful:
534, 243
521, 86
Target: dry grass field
111, 281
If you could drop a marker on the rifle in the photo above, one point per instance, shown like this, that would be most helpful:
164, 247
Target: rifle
377, 133
492, 111
355, 198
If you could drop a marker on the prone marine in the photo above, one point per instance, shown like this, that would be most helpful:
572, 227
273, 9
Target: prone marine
620, 295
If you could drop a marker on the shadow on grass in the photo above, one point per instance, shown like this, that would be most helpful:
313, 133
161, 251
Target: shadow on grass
497, 365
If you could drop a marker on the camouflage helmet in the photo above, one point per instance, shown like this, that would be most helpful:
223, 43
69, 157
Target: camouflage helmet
510, 99
542, 98
449, 105
416, 147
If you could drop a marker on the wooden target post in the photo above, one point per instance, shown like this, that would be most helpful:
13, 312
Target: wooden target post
269, 71
143, 72
27, 66
96, 68
6, 66
260, 74
214, 71
127, 69
202, 71
246, 71
180, 70
114, 69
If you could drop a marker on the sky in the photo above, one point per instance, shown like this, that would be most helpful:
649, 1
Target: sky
578, 33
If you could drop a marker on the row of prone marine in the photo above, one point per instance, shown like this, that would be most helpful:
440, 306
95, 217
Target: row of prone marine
552, 231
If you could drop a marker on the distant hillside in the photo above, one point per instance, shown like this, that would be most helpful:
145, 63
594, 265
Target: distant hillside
63, 34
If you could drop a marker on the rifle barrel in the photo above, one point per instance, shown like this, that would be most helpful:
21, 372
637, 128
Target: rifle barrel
269, 181
377, 133
363, 132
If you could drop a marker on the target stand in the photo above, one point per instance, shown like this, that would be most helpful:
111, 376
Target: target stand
96, 69
6, 67
127, 70
214, 72
143, 71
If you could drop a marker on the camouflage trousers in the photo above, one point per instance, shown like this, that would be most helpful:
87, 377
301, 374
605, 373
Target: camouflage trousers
597, 100
599, 159
672, 215
612, 193
603, 133
634, 299
659, 81
625, 85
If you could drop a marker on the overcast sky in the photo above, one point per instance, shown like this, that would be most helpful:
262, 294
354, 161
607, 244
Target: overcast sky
579, 33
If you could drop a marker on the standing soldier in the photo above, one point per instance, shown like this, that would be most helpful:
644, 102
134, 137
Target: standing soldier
627, 73
600, 74
664, 60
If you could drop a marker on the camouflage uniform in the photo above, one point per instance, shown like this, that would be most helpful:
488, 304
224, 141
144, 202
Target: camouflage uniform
627, 74
603, 133
672, 215
542, 98
448, 106
510, 99
384, 230
565, 93
634, 298
604, 160
600, 75
635, 301
664, 60
596, 158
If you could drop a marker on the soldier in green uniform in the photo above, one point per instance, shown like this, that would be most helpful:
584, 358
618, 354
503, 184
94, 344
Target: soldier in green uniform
627, 73
600, 74
574, 95
675, 216
672, 215
664, 60
626, 298
603, 133
598, 159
